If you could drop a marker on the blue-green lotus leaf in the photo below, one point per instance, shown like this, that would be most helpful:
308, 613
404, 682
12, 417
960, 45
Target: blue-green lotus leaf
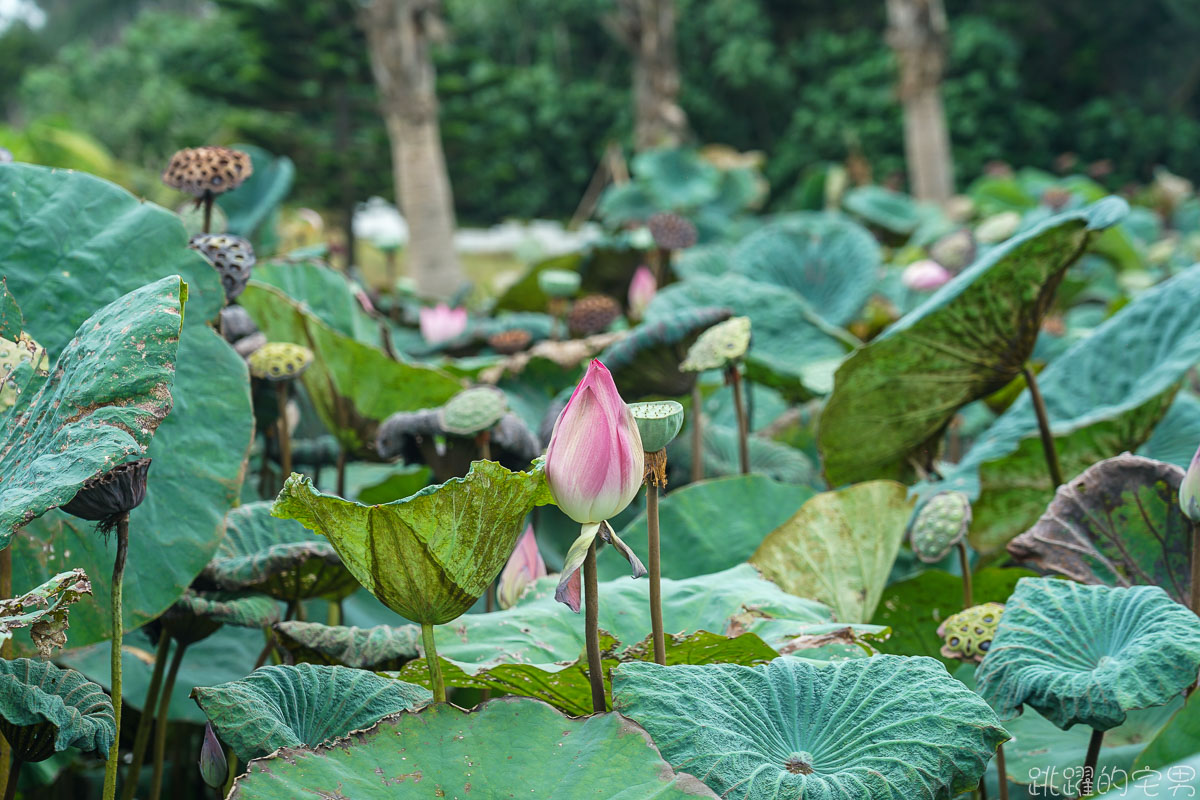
1089, 654
891, 210
863, 729
646, 362
767, 456
39, 694
301, 706
382, 647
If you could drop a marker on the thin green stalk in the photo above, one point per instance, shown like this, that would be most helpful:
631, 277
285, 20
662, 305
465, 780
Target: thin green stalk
208, 199
697, 434
591, 622
163, 721
431, 658
1043, 419
10, 789
285, 439
232, 760
656, 621
965, 564
1088, 784
114, 752
1002, 771
142, 737
735, 377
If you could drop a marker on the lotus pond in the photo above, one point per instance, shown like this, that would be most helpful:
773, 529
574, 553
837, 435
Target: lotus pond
879, 501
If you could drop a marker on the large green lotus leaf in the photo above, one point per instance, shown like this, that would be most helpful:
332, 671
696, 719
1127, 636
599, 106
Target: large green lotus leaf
381, 647
839, 547
829, 259
301, 706
324, 292
1117, 524
882, 727
253, 204
786, 338
503, 747
279, 557
721, 456
1089, 654
1177, 739
428, 557
1181, 779
47, 604
1174, 439
69, 243
894, 396
37, 692
1103, 396
350, 407
108, 392
646, 362
712, 525
11, 320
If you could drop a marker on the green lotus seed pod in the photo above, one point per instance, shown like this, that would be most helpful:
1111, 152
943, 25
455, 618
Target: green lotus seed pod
279, 361
473, 411
12, 355
718, 346
939, 525
657, 422
561, 283
968, 634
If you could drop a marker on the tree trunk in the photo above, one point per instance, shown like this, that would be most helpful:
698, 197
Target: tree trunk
917, 32
647, 29
399, 36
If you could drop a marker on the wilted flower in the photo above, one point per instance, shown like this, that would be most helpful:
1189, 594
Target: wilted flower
1189, 491
925, 275
641, 291
524, 566
442, 323
213, 767
594, 468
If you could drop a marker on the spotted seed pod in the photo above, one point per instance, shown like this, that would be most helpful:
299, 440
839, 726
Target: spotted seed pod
279, 361
967, 635
510, 341
939, 525
592, 314
671, 231
232, 256
721, 344
237, 324
207, 170
473, 410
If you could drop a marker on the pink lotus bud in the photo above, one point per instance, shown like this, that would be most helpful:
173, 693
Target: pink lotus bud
925, 276
1189, 491
594, 467
641, 291
524, 566
213, 767
442, 323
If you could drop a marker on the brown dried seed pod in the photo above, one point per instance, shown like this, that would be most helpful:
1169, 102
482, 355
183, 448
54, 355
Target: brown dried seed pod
592, 314
671, 231
509, 342
201, 170
104, 498
232, 256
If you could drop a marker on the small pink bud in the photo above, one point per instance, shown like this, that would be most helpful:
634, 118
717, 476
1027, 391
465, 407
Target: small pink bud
1189, 491
213, 767
524, 566
641, 291
442, 323
925, 276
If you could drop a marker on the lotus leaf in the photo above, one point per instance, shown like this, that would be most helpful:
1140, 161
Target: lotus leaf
884, 208
260, 196
719, 346
1182, 777
1174, 440
767, 456
646, 362
382, 647
243, 609
325, 292
45, 609
11, 319
57, 708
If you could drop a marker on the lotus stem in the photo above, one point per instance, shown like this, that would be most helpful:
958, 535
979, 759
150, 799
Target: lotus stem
1039, 407
333, 617
435, 667
142, 737
341, 471
1002, 771
232, 760
656, 622
207, 200
735, 378
114, 752
10, 789
591, 623
285, 439
697, 434
163, 721
389, 261
964, 563
1088, 783
982, 789
263, 654
1195, 568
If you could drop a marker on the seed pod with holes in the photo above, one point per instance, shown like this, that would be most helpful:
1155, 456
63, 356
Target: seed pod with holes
510, 341
592, 314
207, 170
671, 231
967, 635
232, 256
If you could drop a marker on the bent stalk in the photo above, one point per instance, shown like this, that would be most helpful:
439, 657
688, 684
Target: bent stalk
114, 752
160, 724
142, 737
1043, 419
431, 658
591, 622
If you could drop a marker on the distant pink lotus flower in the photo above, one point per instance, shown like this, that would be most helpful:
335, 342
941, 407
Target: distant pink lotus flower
925, 276
524, 566
641, 291
1189, 491
594, 468
442, 323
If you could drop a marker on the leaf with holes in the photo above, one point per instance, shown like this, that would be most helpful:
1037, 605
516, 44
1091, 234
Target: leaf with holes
45, 609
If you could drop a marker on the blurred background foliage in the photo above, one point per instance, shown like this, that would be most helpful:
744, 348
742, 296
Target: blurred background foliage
532, 91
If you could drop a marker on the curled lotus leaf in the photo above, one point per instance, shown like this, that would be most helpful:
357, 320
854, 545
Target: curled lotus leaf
279, 361
301, 706
45, 709
382, 647
44, 610
719, 346
495, 748
1089, 654
197, 615
792, 728
939, 524
646, 362
473, 410
968, 635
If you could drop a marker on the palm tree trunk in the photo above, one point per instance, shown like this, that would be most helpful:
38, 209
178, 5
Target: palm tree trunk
647, 29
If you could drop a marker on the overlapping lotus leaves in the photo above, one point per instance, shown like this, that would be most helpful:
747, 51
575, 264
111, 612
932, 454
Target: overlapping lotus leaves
64, 232
428, 557
839, 547
646, 362
279, 361
349, 407
110, 390
278, 557
1117, 524
829, 259
242, 609
325, 292
57, 708
503, 746
301, 706
383, 647
1104, 396
767, 456
473, 410
1089, 654
791, 728
939, 524
894, 396
45, 609
968, 634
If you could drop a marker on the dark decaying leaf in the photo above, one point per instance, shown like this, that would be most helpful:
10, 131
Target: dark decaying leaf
57, 708
383, 647
45, 609
197, 615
